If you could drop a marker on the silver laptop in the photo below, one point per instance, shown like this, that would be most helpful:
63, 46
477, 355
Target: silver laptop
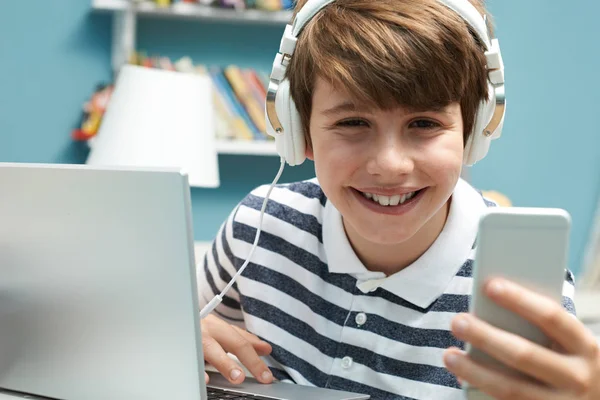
98, 289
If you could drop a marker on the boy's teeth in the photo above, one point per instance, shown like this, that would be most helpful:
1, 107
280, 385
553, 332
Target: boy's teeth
389, 200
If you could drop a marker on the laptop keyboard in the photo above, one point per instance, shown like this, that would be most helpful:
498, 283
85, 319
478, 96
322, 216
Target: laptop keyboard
220, 394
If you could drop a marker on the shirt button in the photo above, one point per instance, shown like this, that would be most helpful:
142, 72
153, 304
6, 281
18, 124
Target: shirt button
346, 362
361, 318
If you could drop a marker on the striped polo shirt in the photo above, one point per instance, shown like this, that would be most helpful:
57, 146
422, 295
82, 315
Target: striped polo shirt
331, 322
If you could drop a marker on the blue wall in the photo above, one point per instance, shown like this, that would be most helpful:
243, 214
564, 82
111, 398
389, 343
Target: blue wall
54, 53
47, 70
549, 154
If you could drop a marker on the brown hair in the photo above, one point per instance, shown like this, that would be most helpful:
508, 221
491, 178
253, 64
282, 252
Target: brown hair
386, 53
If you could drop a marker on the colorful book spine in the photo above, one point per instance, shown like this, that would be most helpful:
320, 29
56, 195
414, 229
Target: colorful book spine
287, 4
249, 131
256, 87
269, 5
242, 90
223, 121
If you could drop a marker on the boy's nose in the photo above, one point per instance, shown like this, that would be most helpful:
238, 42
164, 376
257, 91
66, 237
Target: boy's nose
390, 159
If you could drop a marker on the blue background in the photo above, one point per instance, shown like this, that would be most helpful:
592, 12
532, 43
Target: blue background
53, 54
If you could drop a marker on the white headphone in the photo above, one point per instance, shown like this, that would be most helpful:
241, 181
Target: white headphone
283, 119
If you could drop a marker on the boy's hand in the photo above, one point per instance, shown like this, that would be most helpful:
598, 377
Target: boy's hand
570, 370
220, 338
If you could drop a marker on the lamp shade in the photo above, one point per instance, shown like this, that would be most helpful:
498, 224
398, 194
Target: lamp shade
159, 118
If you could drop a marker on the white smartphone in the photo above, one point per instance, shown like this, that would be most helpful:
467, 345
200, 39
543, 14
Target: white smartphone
528, 246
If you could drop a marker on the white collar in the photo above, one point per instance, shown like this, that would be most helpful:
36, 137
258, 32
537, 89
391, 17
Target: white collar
425, 280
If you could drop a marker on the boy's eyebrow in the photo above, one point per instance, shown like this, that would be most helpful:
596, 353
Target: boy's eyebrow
436, 109
340, 108
349, 106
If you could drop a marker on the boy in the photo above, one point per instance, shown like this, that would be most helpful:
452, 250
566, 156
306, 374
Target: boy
359, 274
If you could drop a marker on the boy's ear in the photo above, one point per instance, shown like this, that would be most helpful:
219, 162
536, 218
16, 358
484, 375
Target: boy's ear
308, 152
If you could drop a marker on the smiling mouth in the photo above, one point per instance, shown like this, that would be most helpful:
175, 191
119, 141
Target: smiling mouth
390, 201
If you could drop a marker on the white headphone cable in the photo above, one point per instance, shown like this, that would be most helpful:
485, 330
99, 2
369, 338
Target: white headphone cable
218, 298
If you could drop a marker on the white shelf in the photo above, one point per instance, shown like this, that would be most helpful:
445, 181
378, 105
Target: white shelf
238, 147
257, 148
194, 11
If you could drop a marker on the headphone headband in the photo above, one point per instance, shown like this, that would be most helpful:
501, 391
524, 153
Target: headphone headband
306, 13
464, 8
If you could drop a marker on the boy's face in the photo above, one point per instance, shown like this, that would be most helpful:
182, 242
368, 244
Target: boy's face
409, 160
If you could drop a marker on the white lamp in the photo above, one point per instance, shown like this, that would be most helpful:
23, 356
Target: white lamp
159, 118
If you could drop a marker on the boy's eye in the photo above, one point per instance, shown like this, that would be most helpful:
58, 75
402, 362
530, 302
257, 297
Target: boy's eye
424, 124
352, 123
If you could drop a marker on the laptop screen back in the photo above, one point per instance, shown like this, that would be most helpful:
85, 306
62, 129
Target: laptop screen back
97, 284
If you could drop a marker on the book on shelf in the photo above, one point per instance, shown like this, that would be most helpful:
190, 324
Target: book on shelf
244, 92
239, 97
236, 121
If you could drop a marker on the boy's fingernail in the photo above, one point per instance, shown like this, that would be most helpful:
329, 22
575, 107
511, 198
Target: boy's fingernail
496, 288
461, 325
235, 374
266, 376
452, 360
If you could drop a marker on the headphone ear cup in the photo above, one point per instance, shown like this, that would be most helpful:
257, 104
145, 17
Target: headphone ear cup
291, 144
478, 144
